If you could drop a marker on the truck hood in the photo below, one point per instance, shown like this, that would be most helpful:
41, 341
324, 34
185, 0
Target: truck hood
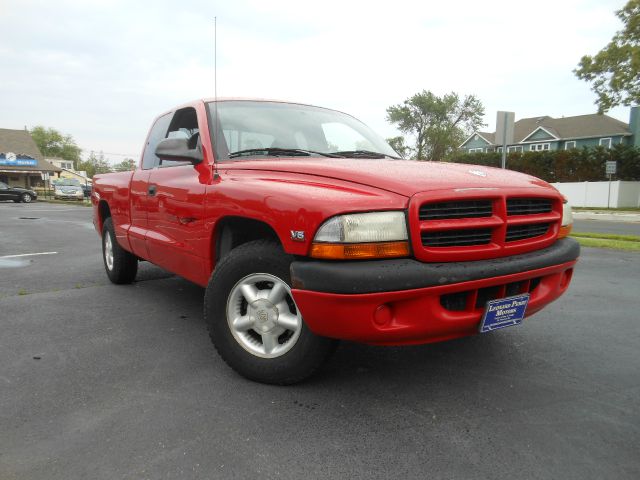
404, 177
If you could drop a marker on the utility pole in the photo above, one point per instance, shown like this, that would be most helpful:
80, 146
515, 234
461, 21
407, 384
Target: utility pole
504, 132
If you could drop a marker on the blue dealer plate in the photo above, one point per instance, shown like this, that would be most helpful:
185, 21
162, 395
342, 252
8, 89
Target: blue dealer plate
504, 312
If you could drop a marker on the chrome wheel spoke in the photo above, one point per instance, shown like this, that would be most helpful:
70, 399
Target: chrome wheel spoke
269, 342
249, 292
277, 293
289, 321
243, 323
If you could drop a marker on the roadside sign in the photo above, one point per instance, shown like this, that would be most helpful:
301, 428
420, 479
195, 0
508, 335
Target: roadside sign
610, 167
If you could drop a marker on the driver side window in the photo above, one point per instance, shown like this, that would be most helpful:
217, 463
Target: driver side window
4, 186
183, 125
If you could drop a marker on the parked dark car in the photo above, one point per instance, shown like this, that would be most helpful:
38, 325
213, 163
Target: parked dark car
87, 190
16, 194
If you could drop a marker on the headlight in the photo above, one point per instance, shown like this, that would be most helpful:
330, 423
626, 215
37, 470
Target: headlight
567, 220
362, 236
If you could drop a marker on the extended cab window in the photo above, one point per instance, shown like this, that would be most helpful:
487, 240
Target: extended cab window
158, 132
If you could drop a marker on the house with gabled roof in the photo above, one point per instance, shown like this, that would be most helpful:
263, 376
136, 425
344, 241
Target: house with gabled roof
67, 170
21, 163
547, 133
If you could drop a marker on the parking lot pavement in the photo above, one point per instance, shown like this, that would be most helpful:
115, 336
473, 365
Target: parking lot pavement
99, 381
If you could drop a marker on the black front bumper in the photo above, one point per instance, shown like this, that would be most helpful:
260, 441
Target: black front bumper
406, 274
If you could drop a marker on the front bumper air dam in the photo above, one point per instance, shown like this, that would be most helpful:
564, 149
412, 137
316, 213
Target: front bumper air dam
396, 302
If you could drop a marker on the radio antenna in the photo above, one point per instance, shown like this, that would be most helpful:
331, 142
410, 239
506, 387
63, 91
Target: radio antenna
215, 83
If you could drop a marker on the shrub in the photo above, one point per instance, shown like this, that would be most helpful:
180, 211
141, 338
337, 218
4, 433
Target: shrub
577, 165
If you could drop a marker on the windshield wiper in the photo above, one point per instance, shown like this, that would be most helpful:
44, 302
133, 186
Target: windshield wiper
363, 154
284, 152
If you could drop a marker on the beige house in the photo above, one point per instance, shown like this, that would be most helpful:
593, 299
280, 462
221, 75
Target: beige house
67, 170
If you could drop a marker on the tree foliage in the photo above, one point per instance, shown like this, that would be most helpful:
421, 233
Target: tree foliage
614, 72
52, 143
127, 165
575, 165
402, 149
94, 164
437, 125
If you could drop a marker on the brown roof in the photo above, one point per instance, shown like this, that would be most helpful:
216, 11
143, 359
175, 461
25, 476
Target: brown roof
21, 143
489, 137
580, 126
593, 125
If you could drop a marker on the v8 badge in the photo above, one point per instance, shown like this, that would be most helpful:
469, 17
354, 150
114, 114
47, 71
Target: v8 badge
297, 235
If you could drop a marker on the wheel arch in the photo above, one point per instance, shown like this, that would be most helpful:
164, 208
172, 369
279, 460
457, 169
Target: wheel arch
104, 212
232, 231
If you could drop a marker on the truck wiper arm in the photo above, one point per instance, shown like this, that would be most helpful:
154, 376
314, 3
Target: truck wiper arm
285, 152
363, 154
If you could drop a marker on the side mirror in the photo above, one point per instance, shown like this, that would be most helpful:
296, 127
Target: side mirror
177, 149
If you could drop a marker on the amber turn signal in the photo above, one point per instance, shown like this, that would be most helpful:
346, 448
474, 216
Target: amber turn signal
565, 231
359, 251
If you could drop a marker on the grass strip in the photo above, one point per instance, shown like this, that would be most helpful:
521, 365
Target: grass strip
597, 242
606, 236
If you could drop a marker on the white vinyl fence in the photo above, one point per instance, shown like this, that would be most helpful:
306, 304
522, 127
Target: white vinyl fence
616, 194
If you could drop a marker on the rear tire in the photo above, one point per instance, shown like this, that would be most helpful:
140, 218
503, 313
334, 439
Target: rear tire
121, 266
253, 320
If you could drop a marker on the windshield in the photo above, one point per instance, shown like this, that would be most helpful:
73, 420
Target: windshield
69, 182
253, 129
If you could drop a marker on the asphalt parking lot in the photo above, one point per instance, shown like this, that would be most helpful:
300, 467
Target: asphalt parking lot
99, 381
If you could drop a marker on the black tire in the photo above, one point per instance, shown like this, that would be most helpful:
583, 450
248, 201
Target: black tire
26, 198
301, 360
124, 265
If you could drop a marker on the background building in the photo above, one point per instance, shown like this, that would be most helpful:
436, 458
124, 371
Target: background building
547, 133
67, 170
21, 163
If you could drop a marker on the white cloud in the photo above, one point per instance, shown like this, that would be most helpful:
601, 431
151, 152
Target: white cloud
102, 70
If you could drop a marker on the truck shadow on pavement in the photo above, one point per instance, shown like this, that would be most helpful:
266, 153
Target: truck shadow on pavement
462, 361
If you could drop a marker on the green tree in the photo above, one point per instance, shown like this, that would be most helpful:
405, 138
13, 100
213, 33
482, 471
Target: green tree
127, 165
438, 125
52, 143
94, 164
614, 72
397, 143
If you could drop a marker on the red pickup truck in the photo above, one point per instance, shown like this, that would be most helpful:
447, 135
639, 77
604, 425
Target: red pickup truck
306, 228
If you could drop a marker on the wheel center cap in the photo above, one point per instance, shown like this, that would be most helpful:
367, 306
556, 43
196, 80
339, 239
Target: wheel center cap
265, 315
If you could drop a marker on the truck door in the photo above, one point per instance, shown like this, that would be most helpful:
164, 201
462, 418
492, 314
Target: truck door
176, 238
139, 187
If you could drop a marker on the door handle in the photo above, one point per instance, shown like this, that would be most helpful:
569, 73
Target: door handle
152, 190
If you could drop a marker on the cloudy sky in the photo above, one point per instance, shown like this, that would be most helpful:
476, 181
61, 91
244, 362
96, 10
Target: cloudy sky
102, 70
